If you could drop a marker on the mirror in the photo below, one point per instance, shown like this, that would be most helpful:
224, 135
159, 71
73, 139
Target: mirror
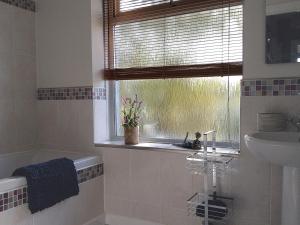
282, 31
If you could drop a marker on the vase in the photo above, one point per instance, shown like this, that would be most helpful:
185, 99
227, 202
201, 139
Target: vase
131, 135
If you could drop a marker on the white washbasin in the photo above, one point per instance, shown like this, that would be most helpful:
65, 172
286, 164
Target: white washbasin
282, 148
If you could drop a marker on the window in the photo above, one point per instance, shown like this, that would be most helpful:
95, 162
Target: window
187, 104
183, 58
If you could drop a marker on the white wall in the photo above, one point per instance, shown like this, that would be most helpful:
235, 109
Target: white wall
70, 53
254, 45
17, 79
64, 51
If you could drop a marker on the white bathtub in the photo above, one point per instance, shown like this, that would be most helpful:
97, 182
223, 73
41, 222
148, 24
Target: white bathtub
86, 208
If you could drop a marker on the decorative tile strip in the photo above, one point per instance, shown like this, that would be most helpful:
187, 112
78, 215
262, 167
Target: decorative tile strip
72, 93
271, 87
89, 173
24, 4
15, 198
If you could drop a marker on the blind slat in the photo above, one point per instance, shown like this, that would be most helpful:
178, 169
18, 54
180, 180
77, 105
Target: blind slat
152, 39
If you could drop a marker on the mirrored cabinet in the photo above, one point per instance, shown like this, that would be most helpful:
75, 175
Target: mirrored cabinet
282, 31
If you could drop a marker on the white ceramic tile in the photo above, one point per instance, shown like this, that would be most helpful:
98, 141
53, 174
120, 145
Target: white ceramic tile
118, 206
8, 126
117, 173
24, 77
147, 212
171, 216
23, 31
67, 123
26, 121
17, 216
6, 12
85, 129
94, 197
122, 220
6, 76
176, 181
145, 177
47, 122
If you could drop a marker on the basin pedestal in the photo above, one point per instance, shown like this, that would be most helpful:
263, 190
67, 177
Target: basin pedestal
290, 196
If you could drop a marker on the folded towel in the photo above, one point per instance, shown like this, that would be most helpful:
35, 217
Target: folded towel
214, 212
49, 183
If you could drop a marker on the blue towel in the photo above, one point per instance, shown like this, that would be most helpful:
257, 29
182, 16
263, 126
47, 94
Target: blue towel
49, 183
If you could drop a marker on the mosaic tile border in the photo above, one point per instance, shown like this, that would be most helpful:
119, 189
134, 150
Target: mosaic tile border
13, 199
89, 173
24, 4
72, 93
271, 87
17, 197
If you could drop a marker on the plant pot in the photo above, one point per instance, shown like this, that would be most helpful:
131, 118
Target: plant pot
131, 135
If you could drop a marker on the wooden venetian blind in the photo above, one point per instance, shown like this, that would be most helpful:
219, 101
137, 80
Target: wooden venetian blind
153, 39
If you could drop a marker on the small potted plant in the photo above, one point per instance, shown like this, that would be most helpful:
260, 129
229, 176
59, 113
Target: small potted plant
131, 111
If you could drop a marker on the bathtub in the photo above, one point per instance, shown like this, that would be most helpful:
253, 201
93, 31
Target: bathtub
84, 209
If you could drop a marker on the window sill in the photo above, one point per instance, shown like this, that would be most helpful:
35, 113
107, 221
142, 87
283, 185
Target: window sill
163, 147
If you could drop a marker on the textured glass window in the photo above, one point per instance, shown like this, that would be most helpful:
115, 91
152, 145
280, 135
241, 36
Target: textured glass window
173, 107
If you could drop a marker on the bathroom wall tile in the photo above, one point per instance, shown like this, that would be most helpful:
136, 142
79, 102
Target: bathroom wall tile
47, 122
17, 216
6, 76
26, 128
17, 79
117, 173
23, 31
147, 212
67, 121
66, 125
24, 77
6, 12
93, 198
172, 216
85, 124
145, 177
176, 180
251, 191
8, 126
118, 206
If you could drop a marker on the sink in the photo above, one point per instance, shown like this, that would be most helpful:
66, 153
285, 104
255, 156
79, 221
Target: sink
281, 148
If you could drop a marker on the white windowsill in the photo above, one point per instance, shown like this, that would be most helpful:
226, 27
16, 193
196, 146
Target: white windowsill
163, 147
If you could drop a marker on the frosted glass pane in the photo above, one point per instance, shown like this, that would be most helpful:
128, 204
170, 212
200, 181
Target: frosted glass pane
174, 106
